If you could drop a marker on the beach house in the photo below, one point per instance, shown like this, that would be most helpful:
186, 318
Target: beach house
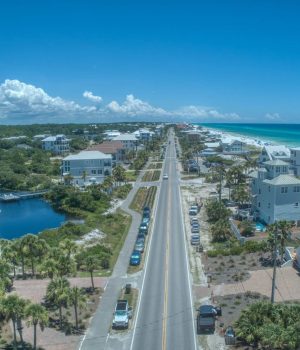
129, 141
295, 160
58, 144
279, 152
86, 167
114, 148
234, 147
275, 193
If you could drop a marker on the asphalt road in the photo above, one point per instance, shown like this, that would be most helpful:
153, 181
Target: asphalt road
165, 317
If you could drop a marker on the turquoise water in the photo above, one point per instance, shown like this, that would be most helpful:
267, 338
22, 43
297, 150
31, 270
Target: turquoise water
286, 134
27, 216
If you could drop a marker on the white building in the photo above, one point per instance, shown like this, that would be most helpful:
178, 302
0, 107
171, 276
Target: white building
295, 160
143, 134
58, 144
129, 141
235, 147
87, 167
111, 134
276, 193
273, 153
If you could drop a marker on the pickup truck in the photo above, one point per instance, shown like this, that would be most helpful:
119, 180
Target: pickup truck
206, 319
122, 315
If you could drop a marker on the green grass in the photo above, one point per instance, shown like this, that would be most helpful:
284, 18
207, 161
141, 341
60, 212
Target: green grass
145, 196
131, 175
151, 175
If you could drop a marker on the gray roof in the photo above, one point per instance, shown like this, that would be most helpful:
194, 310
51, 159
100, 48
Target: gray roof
85, 155
126, 137
276, 162
253, 174
283, 180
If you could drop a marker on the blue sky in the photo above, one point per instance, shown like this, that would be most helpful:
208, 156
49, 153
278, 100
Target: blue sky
195, 60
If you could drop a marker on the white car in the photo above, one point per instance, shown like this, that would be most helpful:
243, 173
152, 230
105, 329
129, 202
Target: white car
165, 177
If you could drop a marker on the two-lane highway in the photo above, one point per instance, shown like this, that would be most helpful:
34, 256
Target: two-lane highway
165, 310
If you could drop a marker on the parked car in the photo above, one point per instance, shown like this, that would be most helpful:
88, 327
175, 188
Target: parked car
194, 220
146, 210
195, 230
206, 319
195, 239
135, 258
139, 245
122, 314
195, 225
193, 211
141, 235
143, 228
146, 221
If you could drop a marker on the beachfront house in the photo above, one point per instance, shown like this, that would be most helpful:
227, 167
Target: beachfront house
129, 141
279, 152
295, 160
114, 148
234, 147
86, 167
275, 193
58, 144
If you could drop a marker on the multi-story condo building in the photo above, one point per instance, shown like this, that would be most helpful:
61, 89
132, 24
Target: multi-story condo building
58, 144
129, 141
295, 160
86, 167
275, 193
274, 152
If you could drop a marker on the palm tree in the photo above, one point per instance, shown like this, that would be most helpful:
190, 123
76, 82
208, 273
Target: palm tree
34, 249
19, 245
68, 246
220, 231
49, 268
13, 308
119, 173
9, 254
241, 194
91, 265
5, 279
284, 232
78, 300
37, 315
57, 293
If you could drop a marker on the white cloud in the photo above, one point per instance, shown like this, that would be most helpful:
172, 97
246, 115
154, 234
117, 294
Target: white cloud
273, 116
91, 97
134, 107
20, 100
26, 103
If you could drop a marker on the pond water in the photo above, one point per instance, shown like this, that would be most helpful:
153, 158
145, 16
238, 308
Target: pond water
27, 216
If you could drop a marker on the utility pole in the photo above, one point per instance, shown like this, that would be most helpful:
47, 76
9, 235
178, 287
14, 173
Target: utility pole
274, 263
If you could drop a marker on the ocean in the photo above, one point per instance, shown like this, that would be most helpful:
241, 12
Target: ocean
284, 134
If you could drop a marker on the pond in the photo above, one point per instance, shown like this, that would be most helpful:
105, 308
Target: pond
34, 215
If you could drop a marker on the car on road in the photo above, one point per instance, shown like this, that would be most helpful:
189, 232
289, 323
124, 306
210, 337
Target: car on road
165, 177
122, 315
195, 239
139, 245
135, 258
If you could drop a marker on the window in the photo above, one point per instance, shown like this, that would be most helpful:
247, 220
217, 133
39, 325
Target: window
269, 205
269, 188
259, 204
259, 191
99, 171
296, 205
284, 189
278, 169
94, 172
297, 189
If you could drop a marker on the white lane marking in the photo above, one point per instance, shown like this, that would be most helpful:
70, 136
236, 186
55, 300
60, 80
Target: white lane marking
85, 334
187, 268
146, 268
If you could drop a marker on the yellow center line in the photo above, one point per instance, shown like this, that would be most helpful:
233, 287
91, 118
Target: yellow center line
165, 313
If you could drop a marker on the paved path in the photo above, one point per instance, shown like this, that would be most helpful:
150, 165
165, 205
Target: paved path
97, 336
